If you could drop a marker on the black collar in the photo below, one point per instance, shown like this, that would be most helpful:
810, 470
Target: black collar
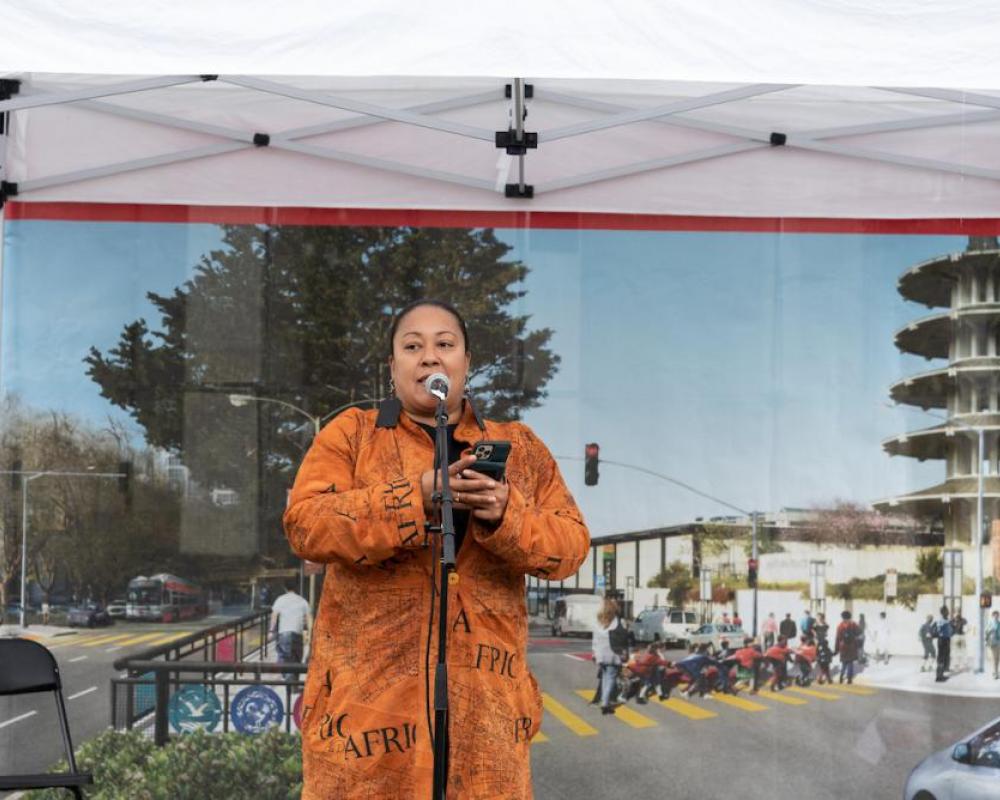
390, 409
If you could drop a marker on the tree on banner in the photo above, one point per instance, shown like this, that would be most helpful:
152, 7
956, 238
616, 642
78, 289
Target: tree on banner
302, 314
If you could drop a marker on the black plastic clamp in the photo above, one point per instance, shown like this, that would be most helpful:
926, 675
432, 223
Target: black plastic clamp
514, 190
508, 140
9, 87
208, 78
778, 139
7, 189
529, 91
261, 139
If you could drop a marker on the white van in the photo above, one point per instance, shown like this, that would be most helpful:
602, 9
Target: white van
576, 614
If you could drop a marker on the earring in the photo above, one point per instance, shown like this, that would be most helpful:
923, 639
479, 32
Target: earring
392, 386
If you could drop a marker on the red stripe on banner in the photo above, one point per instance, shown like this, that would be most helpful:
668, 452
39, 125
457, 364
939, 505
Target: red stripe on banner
425, 218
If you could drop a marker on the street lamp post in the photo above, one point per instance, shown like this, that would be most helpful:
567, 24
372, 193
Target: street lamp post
239, 400
26, 478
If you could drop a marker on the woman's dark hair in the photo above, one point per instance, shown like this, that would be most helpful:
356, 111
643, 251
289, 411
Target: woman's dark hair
437, 304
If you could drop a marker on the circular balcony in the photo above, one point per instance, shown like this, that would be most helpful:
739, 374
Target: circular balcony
931, 336
937, 498
931, 282
932, 389
934, 442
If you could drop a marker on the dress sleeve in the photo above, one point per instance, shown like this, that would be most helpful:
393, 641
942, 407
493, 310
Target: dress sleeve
542, 532
330, 519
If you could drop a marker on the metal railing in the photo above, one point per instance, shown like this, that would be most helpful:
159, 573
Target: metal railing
134, 700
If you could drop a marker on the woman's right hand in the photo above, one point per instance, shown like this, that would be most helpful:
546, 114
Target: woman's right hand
469, 492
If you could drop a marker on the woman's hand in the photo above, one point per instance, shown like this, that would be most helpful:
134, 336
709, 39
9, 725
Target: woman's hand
470, 491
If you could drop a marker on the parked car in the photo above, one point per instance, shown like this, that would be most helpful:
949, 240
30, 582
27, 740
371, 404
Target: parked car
712, 633
116, 608
969, 770
88, 615
576, 614
669, 625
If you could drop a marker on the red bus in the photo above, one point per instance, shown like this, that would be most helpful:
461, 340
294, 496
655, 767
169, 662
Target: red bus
164, 597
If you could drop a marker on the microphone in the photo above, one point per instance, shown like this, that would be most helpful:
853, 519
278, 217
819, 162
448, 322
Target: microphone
438, 385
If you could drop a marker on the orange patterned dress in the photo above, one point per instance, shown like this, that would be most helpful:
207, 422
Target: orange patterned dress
356, 506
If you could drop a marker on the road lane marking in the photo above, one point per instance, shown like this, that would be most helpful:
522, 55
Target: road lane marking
812, 693
567, 717
843, 687
78, 658
686, 709
737, 702
103, 640
171, 637
81, 694
624, 713
539, 737
782, 698
136, 639
17, 719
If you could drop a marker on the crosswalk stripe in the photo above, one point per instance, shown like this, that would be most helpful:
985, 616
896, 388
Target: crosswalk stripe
863, 691
143, 638
778, 697
172, 637
567, 717
539, 737
812, 693
624, 713
684, 708
738, 702
103, 639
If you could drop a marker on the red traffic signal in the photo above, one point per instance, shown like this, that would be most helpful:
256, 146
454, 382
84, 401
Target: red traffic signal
752, 573
591, 457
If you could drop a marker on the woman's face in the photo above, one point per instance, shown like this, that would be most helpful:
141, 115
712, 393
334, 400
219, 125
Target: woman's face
428, 340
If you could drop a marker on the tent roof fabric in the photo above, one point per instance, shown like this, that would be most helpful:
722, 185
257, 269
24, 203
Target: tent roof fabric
841, 42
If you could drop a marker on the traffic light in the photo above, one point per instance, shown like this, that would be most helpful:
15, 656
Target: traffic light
752, 573
591, 455
125, 481
986, 600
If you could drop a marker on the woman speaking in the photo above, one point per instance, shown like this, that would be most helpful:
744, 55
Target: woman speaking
362, 503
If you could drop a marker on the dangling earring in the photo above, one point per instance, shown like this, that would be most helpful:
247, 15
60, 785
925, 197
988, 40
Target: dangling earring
392, 386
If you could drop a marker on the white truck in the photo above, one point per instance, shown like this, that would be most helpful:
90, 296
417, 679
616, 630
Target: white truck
576, 614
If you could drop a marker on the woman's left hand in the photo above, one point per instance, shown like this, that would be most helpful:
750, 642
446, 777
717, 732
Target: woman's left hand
487, 505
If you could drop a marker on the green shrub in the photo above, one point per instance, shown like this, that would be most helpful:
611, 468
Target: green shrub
229, 766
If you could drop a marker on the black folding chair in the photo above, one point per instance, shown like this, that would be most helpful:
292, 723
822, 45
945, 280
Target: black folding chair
27, 667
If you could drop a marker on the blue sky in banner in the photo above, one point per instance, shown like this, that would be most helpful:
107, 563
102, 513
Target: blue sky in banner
752, 366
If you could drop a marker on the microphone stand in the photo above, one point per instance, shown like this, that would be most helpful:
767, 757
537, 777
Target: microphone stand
447, 530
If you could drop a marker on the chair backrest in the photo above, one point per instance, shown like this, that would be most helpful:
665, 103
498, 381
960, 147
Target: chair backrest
27, 666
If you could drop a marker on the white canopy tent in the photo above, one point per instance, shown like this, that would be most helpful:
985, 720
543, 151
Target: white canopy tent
791, 109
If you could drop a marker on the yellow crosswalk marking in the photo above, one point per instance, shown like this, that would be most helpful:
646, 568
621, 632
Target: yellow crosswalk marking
143, 638
812, 693
567, 717
684, 708
103, 640
172, 637
779, 697
738, 702
863, 691
539, 738
624, 713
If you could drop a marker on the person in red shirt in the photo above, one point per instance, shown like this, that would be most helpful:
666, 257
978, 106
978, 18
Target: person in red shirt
750, 658
805, 657
646, 672
777, 656
669, 675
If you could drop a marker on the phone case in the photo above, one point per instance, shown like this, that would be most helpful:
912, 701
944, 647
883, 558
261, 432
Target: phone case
491, 458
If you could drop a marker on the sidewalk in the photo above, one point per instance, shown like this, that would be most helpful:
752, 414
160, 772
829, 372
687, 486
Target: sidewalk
903, 674
41, 633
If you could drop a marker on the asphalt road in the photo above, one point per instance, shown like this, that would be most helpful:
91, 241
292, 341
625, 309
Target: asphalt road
825, 745
29, 730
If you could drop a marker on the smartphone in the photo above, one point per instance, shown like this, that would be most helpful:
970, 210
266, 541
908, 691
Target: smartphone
491, 458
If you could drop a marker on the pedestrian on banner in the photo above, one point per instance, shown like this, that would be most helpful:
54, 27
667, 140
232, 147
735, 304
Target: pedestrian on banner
880, 637
824, 657
806, 624
862, 639
927, 640
943, 631
290, 619
365, 502
608, 661
993, 641
769, 630
725, 618
45, 611
821, 628
788, 629
959, 651
737, 619
777, 656
847, 645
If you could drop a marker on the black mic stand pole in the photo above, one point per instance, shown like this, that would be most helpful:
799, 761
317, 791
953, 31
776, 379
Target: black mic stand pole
447, 570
